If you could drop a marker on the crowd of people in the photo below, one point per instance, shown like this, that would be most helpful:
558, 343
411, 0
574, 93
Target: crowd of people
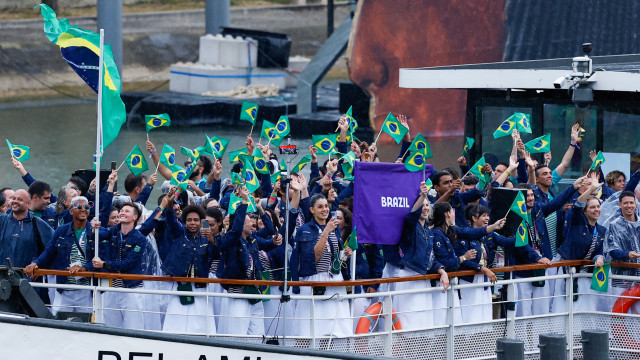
201, 233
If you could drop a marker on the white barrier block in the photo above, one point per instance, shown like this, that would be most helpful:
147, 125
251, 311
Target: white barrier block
179, 76
271, 76
210, 49
296, 65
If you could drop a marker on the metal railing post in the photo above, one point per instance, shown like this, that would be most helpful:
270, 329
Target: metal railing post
511, 314
98, 303
569, 308
313, 322
387, 311
450, 320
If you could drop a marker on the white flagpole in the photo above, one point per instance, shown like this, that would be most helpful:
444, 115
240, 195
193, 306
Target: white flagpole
99, 140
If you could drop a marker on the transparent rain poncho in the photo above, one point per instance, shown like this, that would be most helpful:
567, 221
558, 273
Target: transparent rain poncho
621, 234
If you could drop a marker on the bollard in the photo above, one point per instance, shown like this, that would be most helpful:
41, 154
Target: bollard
510, 349
553, 347
595, 344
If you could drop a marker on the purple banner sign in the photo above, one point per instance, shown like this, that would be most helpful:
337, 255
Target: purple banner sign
383, 196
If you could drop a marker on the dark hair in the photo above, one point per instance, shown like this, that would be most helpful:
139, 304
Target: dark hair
524, 186
470, 180
347, 203
206, 202
323, 168
193, 209
216, 214
39, 188
625, 194
136, 209
160, 198
236, 168
207, 165
3, 199
348, 220
437, 176
131, 182
451, 171
502, 163
274, 218
315, 198
440, 220
475, 210
541, 166
315, 181
82, 186
3, 189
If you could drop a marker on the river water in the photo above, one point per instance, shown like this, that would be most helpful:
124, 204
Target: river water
62, 136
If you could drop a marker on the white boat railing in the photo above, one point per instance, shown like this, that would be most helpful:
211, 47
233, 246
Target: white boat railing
452, 340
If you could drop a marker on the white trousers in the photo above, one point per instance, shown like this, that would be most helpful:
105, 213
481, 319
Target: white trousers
123, 310
273, 314
73, 301
215, 300
241, 318
196, 318
475, 303
526, 292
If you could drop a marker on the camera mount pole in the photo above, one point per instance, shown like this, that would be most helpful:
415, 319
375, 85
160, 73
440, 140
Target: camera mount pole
284, 299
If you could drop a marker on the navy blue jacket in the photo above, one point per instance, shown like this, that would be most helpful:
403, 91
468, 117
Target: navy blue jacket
303, 258
49, 216
163, 238
544, 198
276, 255
580, 235
57, 254
443, 248
17, 239
186, 249
416, 247
459, 203
133, 244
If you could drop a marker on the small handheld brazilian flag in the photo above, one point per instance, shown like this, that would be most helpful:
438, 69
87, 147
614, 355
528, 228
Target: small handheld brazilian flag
235, 201
352, 242
135, 161
260, 162
249, 112
178, 175
236, 179
420, 144
168, 157
156, 121
282, 126
476, 170
249, 174
215, 146
522, 235
519, 206
415, 161
193, 154
301, 164
429, 184
539, 145
283, 165
324, 143
19, 152
270, 133
600, 278
353, 124
235, 155
523, 122
394, 128
505, 128
275, 176
468, 144
597, 162
347, 170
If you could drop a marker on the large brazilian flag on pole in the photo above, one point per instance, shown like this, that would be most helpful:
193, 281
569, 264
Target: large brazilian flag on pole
80, 48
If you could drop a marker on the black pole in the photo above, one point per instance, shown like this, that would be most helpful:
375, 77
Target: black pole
329, 17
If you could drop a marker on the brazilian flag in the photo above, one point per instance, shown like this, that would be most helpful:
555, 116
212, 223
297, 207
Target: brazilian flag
353, 124
352, 242
600, 278
270, 132
136, 162
283, 165
420, 144
178, 175
476, 170
265, 289
235, 155
282, 126
349, 157
249, 174
519, 206
522, 235
193, 154
505, 128
324, 143
523, 122
19, 152
236, 179
215, 146
597, 162
155, 121
80, 48
467, 146
347, 170
235, 201
348, 138
415, 161
275, 176
394, 128
429, 184
260, 162
249, 112
539, 145
168, 156
301, 164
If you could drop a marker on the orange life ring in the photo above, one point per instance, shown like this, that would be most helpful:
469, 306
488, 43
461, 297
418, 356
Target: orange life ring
622, 305
371, 315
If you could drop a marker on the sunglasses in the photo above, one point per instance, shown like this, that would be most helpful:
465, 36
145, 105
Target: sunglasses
85, 207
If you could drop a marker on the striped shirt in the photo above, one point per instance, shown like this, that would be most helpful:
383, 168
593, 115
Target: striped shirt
77, 258
324, 264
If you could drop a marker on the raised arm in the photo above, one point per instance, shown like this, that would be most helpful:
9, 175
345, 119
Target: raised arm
568, 155
163, 170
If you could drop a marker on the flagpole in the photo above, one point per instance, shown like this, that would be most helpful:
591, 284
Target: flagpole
157, 166
405, 154
378, 137
118, 169
424, 173
148, 137
98, 316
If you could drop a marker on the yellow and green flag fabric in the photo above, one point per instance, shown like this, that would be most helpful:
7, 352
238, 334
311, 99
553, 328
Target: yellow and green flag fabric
248, 173
429, 184
275, 176
420, 144
523, 122
301, 164
136, 162
249, 112
235, 201
468, 144
235, 155
236, 179
394, 128
539, 145
597, 162
522, 235
283, 165
415, 161
347, 170
600, 278
168, 156
476, 170
156, 121
215, 146
324, 143
505, 128
270, 132
260, 162
193, 154
80, 48
282, 126
353, 124
19, 152
519, 207
178, 175
349, 157
352, 242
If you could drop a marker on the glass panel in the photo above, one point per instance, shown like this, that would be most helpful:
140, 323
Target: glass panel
621, 134
492, 117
